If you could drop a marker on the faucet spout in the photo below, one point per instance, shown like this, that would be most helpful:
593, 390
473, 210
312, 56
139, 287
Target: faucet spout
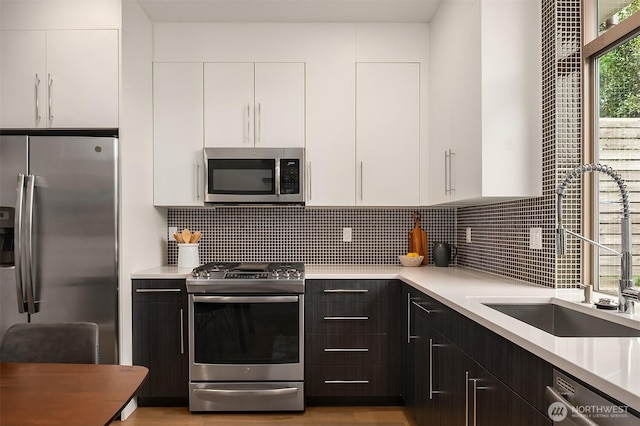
627, 294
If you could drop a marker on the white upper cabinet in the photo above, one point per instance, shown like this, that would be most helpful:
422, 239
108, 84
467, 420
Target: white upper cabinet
331, 134
261, 104
388, 134
59, 79
485, 106
177, 134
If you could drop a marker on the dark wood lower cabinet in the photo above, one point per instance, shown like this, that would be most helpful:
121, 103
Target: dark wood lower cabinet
160, 341
449, 386
352, 348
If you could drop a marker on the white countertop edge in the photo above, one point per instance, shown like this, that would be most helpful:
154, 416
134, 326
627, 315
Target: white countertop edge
162, 273
437, 283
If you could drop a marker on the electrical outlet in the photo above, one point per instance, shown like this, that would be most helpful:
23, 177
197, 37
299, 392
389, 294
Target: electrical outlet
468, 235
535, 238
346, 235
172, 230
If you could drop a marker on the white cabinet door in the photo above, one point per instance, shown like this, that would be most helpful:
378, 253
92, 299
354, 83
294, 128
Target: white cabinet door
23, 79
228, 103
467, 147
259, 105
82, 71
493, 106
388, 134
331, 134
65, 78
178, 171
279, 104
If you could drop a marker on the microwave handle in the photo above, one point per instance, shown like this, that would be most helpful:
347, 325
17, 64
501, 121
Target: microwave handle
277, 177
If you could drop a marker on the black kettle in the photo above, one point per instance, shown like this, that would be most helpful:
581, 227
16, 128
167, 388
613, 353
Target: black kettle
443, 253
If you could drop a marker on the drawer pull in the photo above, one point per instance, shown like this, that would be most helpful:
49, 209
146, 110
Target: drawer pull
423, 308
352, 382
346, 318
346, 349
158, 290
346, 290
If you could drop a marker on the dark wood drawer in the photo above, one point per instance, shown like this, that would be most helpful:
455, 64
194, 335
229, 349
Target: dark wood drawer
345, 318
347, 349
346, 380
158, 290
347, 291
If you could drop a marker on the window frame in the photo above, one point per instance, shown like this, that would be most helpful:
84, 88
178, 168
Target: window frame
593, 46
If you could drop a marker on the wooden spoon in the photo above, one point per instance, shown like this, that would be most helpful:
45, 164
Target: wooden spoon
178, 238
186, 235
195, 237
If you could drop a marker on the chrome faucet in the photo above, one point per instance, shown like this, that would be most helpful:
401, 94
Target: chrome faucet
627, 293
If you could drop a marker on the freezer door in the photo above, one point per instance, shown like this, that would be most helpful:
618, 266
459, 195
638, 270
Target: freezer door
75, 233
13, 160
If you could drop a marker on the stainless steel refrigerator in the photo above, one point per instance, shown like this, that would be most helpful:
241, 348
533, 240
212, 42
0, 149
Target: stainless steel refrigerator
58, 232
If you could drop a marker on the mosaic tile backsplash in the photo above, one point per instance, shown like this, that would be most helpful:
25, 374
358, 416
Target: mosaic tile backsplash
313, 236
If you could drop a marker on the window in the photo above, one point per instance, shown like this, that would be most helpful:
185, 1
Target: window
612, 74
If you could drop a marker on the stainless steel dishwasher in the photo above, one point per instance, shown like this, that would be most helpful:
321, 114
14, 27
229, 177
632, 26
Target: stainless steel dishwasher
571, 403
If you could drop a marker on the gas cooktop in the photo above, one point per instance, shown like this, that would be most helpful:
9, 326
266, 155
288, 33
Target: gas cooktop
247, 277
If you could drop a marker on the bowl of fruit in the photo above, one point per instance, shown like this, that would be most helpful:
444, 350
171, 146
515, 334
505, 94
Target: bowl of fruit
411, 259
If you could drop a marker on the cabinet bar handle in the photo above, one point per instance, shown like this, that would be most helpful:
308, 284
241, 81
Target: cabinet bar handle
452, 174
346, 349
423, 308
158, 290
49, 98
475, 400
361, 177
357, 382
309, 174
474, 382
345, 290
182, 331
37, 84
258, 134
466, 398
446, 173
346, 318
248, 135
431, 346
409, 336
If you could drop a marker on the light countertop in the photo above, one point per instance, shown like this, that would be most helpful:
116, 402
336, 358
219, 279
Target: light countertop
610, 364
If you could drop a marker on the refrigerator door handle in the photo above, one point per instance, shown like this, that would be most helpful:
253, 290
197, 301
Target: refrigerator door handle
18, 241
28, 250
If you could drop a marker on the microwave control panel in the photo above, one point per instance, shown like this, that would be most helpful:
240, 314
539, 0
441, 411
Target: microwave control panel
289, 176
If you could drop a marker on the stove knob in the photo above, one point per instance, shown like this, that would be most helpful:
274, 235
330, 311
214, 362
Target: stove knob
298, 274
205, 274
286, 274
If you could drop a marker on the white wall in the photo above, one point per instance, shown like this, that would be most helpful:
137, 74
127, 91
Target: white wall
59, 14
142, 225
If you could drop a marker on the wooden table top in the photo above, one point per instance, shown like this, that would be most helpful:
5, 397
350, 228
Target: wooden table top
66, 394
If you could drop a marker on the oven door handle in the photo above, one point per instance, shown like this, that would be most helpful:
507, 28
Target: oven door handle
246, 392
246, 299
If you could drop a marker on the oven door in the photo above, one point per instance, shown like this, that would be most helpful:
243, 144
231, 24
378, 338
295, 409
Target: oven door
246, 338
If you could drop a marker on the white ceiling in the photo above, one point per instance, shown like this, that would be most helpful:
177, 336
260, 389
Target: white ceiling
402, 11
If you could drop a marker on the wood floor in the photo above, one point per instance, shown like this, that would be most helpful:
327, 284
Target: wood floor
315, 416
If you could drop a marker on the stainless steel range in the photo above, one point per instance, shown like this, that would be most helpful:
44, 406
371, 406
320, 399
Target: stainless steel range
246, 337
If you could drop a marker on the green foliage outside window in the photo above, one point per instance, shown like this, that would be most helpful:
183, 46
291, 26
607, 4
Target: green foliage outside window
620, 75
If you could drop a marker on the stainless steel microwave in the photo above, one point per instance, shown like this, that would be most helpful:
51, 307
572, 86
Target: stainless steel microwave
254, 175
